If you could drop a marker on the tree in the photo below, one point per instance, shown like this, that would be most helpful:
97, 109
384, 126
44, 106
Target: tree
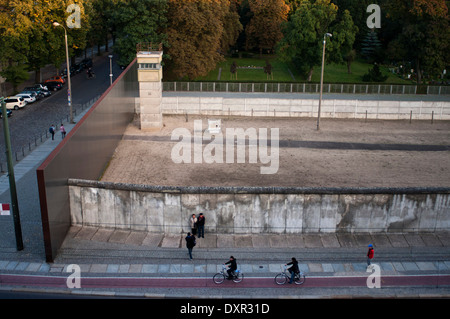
304, 32
233, 70
264, 29
15, 74
268, 70
196, 36
137, 21
232, 27
374, 75
423, 37
357, 10
27, 29
371, 46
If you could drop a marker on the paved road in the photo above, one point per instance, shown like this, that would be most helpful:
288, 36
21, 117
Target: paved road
32, 122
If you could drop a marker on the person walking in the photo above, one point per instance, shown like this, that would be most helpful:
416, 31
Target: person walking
62, 130
293, 269
370, 254
201, 226
52, 131
190, 243
193, 224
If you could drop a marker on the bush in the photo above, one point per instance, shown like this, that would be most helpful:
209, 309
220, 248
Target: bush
374, 75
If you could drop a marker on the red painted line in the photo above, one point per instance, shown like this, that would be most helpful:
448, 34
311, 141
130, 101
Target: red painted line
169, 282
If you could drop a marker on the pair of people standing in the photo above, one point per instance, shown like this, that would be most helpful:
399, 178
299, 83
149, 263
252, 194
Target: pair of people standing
198, 225
52, 131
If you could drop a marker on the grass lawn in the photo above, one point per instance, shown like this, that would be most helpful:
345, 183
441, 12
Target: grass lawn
282, 72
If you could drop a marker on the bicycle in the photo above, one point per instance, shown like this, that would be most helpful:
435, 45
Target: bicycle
219, 278
285, 276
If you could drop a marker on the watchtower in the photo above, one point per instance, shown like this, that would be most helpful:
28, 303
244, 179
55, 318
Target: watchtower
149, 59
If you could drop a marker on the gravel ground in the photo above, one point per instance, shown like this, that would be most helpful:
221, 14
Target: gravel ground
344, 153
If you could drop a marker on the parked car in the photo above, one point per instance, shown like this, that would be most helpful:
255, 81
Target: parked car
58, 78
28, 97
8, 113
78, 68
40, 92
74, 70
54, 86
86, 63
41, 86
15, 102
34, 94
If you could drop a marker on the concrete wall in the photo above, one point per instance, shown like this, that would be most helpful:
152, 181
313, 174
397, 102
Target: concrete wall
84, 153
251, 106
259, 210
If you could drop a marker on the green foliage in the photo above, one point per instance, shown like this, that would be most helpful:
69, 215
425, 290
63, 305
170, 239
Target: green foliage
374, 75
371, 46
137, 21
15, 74
304, 33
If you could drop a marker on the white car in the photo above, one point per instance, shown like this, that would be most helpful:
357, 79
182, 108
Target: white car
15, 102
29, 98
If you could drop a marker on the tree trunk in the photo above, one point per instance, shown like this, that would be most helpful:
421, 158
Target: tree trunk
37, 76
419, 72
310, 73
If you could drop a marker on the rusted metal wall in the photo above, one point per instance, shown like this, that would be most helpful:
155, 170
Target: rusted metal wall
84, 153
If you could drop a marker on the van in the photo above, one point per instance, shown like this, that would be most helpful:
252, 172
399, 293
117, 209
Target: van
15, 102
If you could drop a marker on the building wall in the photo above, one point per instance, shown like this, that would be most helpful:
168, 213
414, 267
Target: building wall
259, 210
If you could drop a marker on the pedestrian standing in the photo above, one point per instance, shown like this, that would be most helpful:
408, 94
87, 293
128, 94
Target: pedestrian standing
201, 226
52, 130
190, 243
62, 130
370, 254
193, 224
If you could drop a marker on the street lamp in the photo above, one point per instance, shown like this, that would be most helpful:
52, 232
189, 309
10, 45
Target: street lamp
110, 69
69, 86
321, 76
12, 179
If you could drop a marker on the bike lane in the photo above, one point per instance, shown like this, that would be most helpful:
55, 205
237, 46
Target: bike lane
196, 282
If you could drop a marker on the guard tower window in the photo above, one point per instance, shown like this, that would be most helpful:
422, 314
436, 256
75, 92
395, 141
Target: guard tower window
149, 66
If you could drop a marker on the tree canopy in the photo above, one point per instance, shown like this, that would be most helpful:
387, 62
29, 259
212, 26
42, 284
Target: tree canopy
196, 34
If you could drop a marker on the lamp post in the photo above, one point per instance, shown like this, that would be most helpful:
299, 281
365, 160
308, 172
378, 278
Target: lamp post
69, 87
321, 76
12, 180
110, 69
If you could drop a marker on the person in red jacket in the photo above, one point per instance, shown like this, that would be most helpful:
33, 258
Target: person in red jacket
370, 254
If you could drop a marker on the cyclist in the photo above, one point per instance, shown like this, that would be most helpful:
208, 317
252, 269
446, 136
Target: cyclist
233, 266
90, 73
293, 269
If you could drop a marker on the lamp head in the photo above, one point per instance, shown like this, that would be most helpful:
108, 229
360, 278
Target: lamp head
328, 35
56, 24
